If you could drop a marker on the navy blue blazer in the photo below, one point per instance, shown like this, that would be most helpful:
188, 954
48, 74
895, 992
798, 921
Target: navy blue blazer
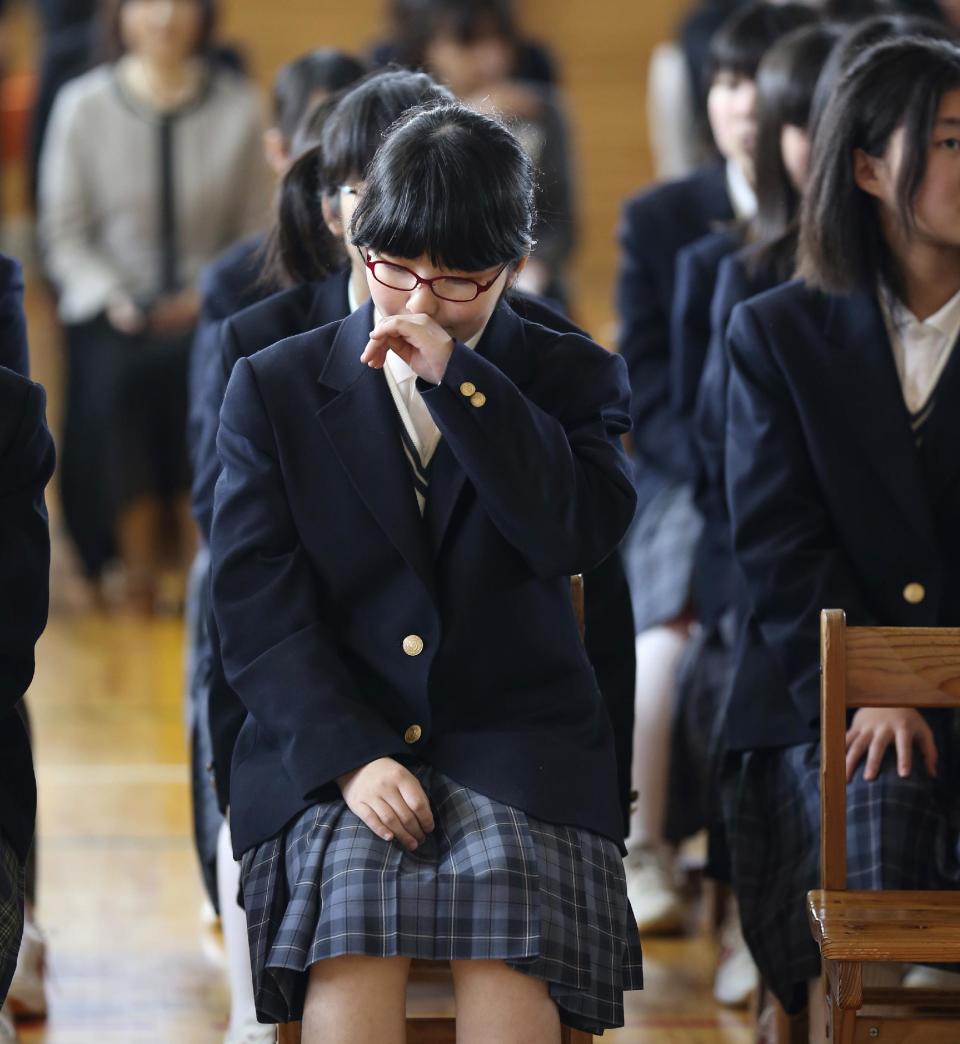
832, 504
346, 619
227, 285
690, 330
607, 608
656, 225
26, 464
14, 354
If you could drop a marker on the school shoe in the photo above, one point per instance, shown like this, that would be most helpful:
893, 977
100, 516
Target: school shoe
249, 1033
8, 1031
737, 977
652, 891
27, 998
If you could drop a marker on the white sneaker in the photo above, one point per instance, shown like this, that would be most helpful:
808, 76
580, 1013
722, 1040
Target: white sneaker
737, 976
8, 1031
250, 1033
923, 977
657, 905
27, 997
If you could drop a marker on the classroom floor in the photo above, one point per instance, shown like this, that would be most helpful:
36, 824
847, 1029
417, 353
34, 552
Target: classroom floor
130, 961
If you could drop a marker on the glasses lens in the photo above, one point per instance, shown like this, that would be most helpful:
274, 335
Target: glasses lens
456, 289
395, 276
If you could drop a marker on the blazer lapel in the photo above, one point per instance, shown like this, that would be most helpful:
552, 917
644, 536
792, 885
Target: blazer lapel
361, 422
871, 401
503, 344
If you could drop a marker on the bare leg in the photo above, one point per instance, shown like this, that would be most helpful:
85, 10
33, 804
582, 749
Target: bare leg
356, 1000
497, 1005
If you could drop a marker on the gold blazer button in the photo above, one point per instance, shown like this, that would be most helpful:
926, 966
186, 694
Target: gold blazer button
413, 734
467, 389
478, 399
914, 593
413, 645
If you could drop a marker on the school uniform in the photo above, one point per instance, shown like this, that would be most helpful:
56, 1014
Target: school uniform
608, 621
14, 354
364, 614
26, 464
656, 225
843, 492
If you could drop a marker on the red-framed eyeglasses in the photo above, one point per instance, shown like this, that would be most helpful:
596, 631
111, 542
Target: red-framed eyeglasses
459, 289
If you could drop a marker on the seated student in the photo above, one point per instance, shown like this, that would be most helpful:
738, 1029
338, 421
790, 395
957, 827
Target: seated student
311, 198
26, 464
404, 496
840, 419
786, 80
656, 225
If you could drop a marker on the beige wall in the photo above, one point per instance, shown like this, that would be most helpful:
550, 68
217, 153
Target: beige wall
602, 48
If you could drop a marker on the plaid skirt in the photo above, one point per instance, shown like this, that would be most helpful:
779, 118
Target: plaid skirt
11, 913
901, 834
490, 883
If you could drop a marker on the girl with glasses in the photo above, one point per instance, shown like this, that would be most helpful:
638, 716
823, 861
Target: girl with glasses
426, 768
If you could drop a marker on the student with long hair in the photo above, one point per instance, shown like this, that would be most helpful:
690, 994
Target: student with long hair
404, 496
840, 474
658, 551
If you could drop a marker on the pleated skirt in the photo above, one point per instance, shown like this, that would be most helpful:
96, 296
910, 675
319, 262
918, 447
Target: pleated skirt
489, 883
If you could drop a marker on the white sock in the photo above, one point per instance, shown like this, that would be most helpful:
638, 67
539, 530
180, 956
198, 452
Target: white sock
234, 922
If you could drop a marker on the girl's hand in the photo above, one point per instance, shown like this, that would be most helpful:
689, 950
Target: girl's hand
390, 800
176, 313
873, 729
124, 316
419, 340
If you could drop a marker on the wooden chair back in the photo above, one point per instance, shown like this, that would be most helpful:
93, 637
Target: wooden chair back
871, 667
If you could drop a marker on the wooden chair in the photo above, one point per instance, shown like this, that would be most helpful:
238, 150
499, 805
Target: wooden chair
430, 1007
879, 667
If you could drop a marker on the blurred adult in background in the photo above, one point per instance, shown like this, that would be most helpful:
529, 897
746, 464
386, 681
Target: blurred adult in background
659, 549
475, 47
151, 166
302, 95
26, 464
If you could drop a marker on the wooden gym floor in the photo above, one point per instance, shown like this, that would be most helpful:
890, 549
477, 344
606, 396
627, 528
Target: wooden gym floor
119, 894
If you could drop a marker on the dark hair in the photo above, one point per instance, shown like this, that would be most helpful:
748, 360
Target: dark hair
786, 81
415, 23
335, 142
355, 132
897, 83
113, 44
858, 39
297, 84
450, 184
747, 34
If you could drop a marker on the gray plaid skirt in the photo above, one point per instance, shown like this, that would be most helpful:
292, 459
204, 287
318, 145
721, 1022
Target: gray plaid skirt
490, 883
11, 912
901, 834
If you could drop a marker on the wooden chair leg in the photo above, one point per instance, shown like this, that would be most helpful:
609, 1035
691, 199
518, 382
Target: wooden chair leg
773, 1025
574, 1036
844, 989
289, 1033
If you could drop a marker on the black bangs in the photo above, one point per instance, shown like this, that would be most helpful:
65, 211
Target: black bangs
355, 130
743, 39
452, 185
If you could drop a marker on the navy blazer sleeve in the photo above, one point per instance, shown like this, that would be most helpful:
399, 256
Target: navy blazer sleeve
278, 654
558, 490
784, 539
26, 464
14, 353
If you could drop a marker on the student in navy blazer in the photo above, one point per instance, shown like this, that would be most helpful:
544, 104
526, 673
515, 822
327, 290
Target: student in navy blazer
843, 488
26, 464
391, 583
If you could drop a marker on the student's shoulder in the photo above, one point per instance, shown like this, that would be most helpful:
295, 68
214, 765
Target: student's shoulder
787, 306
568, 352
22, 407
89, 91
785, 325
669, 198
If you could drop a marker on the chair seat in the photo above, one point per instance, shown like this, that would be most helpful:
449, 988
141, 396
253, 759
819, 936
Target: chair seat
916, 927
